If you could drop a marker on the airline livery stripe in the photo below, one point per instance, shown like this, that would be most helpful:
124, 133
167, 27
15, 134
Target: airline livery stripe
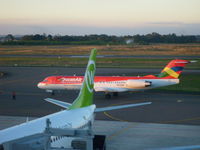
171, 72
177, 68
163, 74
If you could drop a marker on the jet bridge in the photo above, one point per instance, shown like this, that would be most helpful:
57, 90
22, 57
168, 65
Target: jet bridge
42, 141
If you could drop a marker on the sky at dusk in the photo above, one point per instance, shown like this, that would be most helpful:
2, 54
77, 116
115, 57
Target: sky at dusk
112, 17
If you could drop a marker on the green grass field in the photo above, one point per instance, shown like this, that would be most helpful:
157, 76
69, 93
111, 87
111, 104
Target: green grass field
152, 49
81, 62
133, 50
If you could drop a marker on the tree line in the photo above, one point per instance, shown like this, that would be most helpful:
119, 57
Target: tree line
103, 39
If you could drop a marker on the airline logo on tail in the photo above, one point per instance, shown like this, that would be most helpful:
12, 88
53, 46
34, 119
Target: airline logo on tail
90, 76
85, 97
173, 69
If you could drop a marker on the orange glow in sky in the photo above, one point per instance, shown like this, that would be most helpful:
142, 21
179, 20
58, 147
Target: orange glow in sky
100, 14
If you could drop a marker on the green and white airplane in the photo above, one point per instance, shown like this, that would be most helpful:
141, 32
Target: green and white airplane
76, 115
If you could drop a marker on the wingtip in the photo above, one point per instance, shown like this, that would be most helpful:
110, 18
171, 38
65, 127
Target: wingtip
47, 99
147, 103
193, 61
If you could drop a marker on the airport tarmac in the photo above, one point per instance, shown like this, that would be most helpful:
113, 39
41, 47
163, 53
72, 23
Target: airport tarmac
170, 107
136, 135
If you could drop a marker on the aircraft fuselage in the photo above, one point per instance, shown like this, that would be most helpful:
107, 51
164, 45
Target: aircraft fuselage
106, 83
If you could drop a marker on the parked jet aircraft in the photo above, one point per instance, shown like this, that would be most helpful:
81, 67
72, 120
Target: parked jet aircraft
76, 115
115, 84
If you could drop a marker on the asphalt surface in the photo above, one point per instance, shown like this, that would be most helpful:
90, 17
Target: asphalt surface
173, 108
133, 135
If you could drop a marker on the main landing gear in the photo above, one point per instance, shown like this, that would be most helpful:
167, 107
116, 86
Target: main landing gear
108, 95
115, 94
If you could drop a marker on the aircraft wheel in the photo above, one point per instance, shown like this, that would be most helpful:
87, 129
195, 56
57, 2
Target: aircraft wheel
107, 96
52, 93
115, 94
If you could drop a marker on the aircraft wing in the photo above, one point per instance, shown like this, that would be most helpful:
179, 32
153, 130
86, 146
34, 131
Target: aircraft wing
66, 105
109, 89
120, 107
59, 103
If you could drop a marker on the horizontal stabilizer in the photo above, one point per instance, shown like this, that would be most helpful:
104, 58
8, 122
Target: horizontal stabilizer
193, 61
120, 107
59, 103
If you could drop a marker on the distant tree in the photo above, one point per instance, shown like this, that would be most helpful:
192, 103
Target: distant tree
39, 37
9, 37
27, 37
94, 39
49, 37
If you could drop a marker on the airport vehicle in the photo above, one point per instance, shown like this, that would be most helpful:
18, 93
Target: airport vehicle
76, 115
114, 84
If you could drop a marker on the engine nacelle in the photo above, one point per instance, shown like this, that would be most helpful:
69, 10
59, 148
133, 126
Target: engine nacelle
137, 84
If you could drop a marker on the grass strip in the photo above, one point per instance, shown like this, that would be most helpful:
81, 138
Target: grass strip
81, 62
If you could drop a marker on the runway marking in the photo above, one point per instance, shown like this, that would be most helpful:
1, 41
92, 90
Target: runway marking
110, 137
118, 119
173, 121
122, 120
114, 118
179, 101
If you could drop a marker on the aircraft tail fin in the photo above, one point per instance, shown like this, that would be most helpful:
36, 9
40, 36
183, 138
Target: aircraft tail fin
174, 68
85, 97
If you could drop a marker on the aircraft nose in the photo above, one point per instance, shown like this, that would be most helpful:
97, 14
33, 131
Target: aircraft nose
40, 85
